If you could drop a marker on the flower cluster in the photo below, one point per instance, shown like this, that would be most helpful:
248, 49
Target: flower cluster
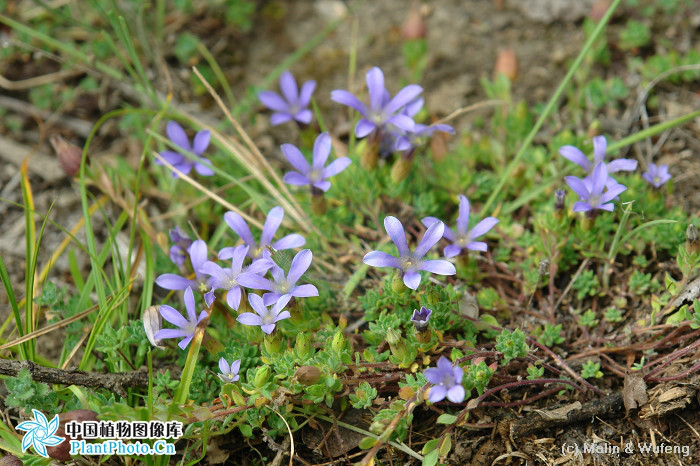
388, 121
207, 277
192, 158
598, 189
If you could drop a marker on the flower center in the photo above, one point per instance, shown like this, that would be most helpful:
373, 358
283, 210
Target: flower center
657, 180
408, 263
594, 200
257, 251
268, 319
315, 175
283, 287
230, 281
203, 286
447, 381
463, 240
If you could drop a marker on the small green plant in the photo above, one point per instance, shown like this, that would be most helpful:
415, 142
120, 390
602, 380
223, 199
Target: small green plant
512, 345
590, 370
587, 284
552, 335
363, 396
613, 315
640, 283
534, 372
635, 35
588, 319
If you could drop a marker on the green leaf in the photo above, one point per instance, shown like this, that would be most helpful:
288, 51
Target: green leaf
246, 430
446, 446
367, 443
431, 458
447, 419
430, 446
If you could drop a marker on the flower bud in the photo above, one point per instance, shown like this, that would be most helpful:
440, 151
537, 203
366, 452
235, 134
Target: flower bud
392, 336
396, 345
414, 26
401, 169
370, 154
302, 349
318, 201
507, 64
69, 155
308, 375
273, 343
262, 375
339, 342
152, 322
692, 244
61, 452
10, 460
397, 285
559, 200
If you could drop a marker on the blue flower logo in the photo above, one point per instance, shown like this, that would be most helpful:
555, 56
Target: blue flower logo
40, 433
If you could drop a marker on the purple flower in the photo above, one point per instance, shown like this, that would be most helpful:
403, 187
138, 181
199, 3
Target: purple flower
229, 372
446, 380
410, 263
419, 136
600, 145
421, 318
186, 326
198, 256
272, 223
291, 105
282, 286
178, 251
657, 175
182, 162
382, 109
315, 175
265, 317
464, 238
590, 191
226, 278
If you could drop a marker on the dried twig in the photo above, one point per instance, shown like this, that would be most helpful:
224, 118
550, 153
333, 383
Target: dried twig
114, 382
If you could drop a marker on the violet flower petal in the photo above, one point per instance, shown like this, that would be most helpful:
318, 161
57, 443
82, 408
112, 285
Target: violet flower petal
272, 223
238, 225
280, 118
321, 151
483, 227
346, 98
381, 259
575, 155
307, 90
463, 217
430, 238
177, 135
395, 230
201, 141
411, 279
273, 101
296, 179
288, 86
291, 241
337, 166
438, 266
300, 264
